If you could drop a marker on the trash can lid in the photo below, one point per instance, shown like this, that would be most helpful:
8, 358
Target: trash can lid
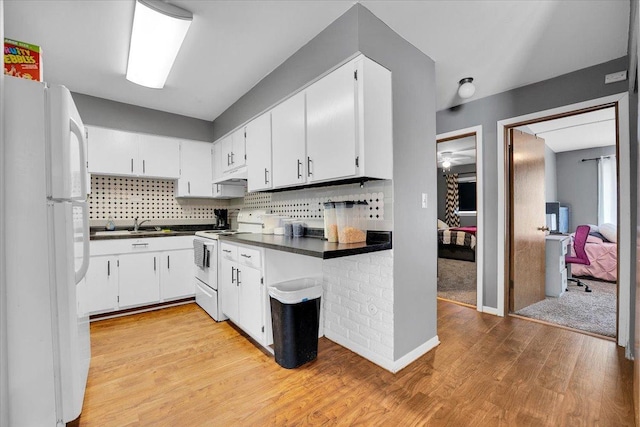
295, 291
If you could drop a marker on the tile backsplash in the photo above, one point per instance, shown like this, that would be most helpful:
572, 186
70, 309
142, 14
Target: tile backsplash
126, 198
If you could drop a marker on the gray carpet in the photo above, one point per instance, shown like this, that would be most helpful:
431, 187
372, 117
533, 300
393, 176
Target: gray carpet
457, 280
592, 312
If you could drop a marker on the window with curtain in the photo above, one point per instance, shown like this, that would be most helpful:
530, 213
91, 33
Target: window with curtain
607, 190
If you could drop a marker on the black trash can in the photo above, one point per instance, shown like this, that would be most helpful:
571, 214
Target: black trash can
295, 317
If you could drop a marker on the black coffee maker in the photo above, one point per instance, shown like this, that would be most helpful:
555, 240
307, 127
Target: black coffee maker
221, 218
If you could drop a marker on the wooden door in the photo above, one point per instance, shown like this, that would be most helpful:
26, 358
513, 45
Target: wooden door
527, 266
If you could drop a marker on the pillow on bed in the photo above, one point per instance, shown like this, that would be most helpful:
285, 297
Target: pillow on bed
609, 231
442, 225
592, 228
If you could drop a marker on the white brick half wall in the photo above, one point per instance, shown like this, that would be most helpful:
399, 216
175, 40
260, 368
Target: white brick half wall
358, 308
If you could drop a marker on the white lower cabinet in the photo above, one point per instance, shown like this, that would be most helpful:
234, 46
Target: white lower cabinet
176, 273
126, 273
139, 280
242, 290
243, 284
101, 285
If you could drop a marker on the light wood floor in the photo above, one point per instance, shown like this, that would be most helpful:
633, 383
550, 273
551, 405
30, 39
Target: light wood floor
176, 367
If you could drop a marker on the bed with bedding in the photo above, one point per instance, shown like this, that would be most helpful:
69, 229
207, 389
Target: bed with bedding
603, 256
457, 243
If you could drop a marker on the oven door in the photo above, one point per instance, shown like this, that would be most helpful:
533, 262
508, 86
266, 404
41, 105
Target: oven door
208, 275
207, 298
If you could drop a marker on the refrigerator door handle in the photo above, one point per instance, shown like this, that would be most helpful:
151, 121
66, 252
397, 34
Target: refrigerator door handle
82, 271
75, 129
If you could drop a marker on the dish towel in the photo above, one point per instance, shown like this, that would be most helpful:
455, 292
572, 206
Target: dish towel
199, 254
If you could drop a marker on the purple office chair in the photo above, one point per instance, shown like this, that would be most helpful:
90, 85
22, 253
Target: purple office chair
579, 241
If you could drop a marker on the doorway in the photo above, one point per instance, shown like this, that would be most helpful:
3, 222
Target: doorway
460, 231
563, 176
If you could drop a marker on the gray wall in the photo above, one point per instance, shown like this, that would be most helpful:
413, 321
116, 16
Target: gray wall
4, 393
413, 85
579, 86
578, 184
442, 194
117, 115
550, 175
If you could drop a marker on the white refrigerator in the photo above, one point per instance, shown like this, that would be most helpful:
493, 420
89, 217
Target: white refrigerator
47, 253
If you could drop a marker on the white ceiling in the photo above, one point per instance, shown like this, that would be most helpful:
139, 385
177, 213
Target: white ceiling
232, 45
460, 151
587, 130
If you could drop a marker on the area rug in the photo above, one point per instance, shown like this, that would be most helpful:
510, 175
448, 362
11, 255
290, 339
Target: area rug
593, 312
457, 280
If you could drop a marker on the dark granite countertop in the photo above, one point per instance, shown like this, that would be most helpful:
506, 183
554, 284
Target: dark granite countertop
99, 233
313, 246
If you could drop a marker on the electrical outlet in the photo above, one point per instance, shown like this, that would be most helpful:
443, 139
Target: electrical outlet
615, 77
424, 200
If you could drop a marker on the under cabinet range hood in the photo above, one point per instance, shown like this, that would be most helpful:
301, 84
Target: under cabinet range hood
237, 176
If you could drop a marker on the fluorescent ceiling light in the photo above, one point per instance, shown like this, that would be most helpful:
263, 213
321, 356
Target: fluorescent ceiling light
158, 31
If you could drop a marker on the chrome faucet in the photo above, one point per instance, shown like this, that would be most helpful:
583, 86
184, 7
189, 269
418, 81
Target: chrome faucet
136, 224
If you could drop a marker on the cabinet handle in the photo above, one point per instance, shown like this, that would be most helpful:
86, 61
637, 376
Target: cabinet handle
144, 169
108, 268
266, 180
131, 165
299, 164
189, 187
237, 277
226, 250
154, 263
232, 162
309, 163
139, 244
245, 255
168, 263
228, 159
233, 270
217, 188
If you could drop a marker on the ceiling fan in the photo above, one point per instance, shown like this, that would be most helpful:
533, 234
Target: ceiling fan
446, 159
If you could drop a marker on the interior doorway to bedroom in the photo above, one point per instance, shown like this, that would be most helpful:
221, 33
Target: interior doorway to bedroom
563, 204
459, 217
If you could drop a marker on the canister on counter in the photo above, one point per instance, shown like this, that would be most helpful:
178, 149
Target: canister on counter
330, 223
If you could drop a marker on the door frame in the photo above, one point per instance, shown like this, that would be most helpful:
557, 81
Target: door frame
624, 202
477, 130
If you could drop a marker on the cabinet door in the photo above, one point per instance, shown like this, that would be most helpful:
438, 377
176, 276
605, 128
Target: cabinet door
288, 142
112, 152
251, 301
228, 289
258, 145
101, 285
216, 161
159, 156
139, 279
331, 126
195, 169
176, 274
226, 148
238, 153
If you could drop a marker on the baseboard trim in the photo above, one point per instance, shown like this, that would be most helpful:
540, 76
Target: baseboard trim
389, 365
141, 309
490, 310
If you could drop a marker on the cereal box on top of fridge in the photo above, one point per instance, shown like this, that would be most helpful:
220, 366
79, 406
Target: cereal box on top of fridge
22, 60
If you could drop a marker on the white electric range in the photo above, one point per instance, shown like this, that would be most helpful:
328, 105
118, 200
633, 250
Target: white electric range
207, 264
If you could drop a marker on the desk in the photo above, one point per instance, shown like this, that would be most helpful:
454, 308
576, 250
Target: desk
556, 246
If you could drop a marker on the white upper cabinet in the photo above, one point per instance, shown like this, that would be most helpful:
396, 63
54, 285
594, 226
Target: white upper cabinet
111, 152
288, 142
195, 169
116, 152
258, 146
349, 123
158, 156
331, 126
233, 150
